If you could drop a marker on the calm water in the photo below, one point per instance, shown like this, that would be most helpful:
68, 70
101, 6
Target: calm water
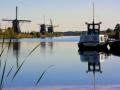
66, 68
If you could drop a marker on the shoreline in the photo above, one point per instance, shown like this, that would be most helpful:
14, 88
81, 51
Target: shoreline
74, 87
41, 37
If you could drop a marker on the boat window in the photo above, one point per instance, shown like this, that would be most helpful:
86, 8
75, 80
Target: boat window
102, 38
91, 27
96, 27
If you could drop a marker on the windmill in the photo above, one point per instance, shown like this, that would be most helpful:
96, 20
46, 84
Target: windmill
15, 22
51, 27
42, 27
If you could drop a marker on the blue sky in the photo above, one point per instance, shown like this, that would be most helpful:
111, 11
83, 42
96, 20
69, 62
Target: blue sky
70, 15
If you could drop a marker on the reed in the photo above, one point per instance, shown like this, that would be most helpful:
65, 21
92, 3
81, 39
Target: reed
25, 60
39, 79
2, 50
9, 71
3, 40
3, 69
2, 77
1, 55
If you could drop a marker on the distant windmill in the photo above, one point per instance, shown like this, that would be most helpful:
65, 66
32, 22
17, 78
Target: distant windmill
51, 27
15, 23
42, 27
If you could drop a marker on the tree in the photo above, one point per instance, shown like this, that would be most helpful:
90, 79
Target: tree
0, 30
117, 30
9, 33
109, 30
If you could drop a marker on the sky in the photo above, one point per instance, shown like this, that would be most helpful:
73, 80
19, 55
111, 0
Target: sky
70, 15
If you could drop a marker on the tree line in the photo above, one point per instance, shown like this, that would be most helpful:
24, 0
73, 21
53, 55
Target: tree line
9, 33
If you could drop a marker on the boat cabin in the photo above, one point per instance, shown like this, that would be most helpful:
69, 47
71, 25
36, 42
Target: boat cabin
93, 28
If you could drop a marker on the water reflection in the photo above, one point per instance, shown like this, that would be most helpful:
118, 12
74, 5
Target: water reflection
47, 46
43, 47
67, 67
93, 60
16, 51
50, 44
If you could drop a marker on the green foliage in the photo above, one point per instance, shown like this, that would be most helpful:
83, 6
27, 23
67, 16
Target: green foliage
109, 30
117, 31
8, 33
35, 34
0, 30
117, 28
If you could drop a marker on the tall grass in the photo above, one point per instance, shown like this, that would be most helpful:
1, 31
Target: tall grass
1, 55
9, 71
2, 49
43, 74
3, 69
25, 60
3, 73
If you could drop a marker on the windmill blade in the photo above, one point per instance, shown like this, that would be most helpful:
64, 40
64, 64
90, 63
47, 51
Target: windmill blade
16, 12
24, 20
44, 19
56, 26
51, 22
7, 20
39, 24
48, 25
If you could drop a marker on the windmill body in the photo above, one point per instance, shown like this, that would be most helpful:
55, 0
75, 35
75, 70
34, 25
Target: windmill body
16, 26
47, 28
51, 27
42, 28
16, 22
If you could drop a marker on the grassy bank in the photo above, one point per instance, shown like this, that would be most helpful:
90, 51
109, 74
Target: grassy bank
8, 33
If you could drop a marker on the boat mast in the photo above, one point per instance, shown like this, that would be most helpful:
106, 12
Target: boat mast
93, 11
94, 81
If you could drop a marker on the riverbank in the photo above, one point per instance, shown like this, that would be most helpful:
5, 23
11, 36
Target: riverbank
28, 35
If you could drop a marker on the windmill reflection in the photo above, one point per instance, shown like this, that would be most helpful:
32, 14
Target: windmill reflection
94, 60
51, 44
43, 47
47, 46
16, 51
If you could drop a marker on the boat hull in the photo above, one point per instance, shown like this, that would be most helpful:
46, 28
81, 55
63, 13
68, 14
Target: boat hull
93, 46
115, 46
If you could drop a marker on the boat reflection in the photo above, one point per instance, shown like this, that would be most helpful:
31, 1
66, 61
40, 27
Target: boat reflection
93, 60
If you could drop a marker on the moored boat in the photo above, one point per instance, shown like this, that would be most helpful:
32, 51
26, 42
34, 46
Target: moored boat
93, 39
114, 45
